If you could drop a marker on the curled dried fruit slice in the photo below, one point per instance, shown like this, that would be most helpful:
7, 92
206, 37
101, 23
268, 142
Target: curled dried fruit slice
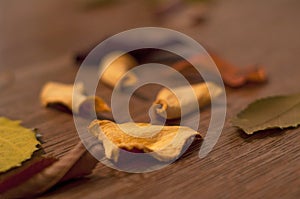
169, 105
165, 142
116, 66
64, 94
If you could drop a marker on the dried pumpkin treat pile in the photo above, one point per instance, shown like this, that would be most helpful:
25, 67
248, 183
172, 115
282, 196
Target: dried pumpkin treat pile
19, 146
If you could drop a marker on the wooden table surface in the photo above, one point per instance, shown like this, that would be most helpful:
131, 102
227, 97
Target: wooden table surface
38, 39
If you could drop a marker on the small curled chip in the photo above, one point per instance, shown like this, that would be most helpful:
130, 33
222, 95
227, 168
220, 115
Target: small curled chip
164, 142
72, 97
117, 66
180, 101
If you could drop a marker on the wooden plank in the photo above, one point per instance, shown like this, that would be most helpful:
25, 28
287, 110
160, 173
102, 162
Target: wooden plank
38, 38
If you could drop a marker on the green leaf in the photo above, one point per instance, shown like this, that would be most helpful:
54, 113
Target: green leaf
16, 144
269, 113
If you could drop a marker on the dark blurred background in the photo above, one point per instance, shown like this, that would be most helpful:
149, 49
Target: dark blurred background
32, 31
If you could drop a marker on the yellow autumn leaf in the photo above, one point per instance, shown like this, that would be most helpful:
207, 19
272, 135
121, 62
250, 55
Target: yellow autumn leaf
16, 144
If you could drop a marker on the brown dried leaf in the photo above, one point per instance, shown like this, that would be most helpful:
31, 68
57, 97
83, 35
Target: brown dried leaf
58, 93
24, 173
170, 106
78, 162
166, 142
232, 75
236, 76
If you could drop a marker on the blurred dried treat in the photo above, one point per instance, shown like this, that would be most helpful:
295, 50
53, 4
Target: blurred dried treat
233, 76
113, 68
72, 97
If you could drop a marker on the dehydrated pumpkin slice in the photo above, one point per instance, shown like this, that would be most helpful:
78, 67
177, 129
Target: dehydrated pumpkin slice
116, 66
64, 94
164, 142
170, 106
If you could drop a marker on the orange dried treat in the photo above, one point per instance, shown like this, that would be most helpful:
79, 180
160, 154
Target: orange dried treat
165, 142
116, 66
72, 97
171, 106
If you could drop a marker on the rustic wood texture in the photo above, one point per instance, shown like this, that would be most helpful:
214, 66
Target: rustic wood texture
38, 39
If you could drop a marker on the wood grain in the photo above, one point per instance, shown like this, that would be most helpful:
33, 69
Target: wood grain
38, 39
